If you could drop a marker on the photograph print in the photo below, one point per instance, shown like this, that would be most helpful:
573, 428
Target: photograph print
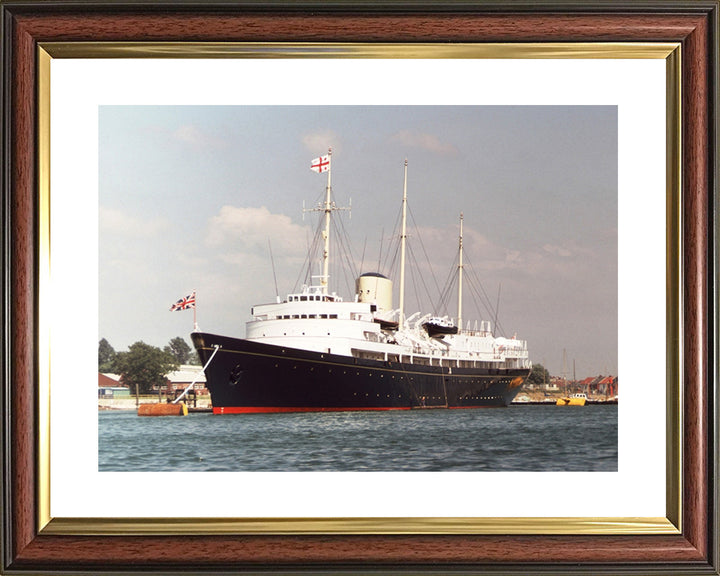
358, 288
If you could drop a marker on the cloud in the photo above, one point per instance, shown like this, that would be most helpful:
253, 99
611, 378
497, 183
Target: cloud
557, 250
247, 230
441, 247
319, 142
197, 138
119, 222
513, 257
423, 141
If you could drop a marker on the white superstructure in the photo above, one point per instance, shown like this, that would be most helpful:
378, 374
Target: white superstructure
368, 326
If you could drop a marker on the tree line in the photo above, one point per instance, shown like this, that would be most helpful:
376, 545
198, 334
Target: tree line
144, 366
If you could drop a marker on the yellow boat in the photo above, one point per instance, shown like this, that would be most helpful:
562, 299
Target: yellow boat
578, 399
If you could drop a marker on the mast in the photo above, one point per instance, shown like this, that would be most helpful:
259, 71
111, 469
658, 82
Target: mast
574, 376
403, 236
321, 165
326, 232
460, 276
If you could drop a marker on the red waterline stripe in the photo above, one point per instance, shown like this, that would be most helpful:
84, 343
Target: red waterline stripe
273, 409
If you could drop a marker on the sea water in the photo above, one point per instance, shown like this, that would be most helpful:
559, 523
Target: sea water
517, 438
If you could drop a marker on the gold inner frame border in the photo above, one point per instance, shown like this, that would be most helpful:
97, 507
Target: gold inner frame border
671, 524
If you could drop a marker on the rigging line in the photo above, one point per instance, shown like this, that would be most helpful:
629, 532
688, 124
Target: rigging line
473, 275
394, 263
348, 246
308, 260
345, 253
452, 277
411, 279
315, 251
413, 271
362, 258
382, 238
497, 306
422, 279
344, 239
497, 328
272, 262
396, 235
427, 258
450, 282
217, 347
478, 297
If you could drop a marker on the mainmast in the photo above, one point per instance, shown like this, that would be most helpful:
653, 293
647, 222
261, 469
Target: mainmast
403, 236
460, 276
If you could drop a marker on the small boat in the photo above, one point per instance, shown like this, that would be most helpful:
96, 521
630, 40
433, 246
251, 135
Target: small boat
578, 399
439, 327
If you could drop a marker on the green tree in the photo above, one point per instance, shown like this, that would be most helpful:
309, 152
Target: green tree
106, 355
194, 359
144, 366
539, 375
179, 350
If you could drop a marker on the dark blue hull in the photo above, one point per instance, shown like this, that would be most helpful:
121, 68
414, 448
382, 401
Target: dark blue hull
246, 376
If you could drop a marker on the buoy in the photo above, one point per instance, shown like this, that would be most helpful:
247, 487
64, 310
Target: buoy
163, 410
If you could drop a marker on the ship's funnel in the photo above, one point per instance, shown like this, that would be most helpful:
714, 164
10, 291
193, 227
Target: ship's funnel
375, 288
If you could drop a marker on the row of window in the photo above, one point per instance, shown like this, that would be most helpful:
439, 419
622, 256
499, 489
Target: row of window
421, 360
310, 298
306, 316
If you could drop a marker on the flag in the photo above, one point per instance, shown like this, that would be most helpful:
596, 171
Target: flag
321, 164
184, 303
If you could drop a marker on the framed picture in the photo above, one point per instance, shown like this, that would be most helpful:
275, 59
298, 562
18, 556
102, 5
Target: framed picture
56, 518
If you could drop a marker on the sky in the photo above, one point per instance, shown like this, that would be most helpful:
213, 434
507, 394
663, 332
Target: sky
198, 197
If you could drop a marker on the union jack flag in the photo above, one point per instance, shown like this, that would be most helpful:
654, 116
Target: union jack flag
184, 303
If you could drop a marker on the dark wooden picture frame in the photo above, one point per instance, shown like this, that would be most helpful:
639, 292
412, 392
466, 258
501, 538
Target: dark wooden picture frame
26, 25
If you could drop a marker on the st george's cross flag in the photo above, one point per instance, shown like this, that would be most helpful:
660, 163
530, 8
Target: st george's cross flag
184, 303
321, 164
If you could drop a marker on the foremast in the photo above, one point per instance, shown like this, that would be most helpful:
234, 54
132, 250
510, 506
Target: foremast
324, 164
326, 232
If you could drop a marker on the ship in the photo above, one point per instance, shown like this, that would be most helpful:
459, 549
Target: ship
312, 351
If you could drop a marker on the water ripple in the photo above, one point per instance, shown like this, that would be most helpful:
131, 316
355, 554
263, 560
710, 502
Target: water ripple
519, 438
